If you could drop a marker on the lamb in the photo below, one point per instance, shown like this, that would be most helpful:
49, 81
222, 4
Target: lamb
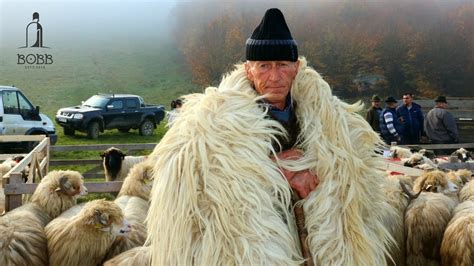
22, 237
117, 164
462, 154
84, 238
133, 200
457, 247
427, 217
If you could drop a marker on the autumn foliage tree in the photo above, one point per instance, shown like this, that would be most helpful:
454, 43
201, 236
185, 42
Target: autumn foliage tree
425, 47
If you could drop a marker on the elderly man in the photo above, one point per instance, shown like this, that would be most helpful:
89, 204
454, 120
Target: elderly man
440, 125
373, 114
225, 171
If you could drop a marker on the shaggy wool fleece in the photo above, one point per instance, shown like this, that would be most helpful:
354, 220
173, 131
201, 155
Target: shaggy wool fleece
219, 199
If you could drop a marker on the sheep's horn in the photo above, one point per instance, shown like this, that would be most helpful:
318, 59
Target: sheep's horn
64, 184
407, 192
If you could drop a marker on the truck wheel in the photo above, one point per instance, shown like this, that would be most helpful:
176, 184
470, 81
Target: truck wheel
124, 130
93, 130
147, 128
69, 131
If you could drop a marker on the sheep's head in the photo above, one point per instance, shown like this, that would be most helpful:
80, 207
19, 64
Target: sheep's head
399, 152
435, 181
71, 183
465, 175
138, 181
462, 154
455, 178
427, 153
105, 216
414, 160
112, 159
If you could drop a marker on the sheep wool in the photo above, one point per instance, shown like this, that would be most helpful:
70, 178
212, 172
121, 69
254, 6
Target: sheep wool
136, 256
218, 198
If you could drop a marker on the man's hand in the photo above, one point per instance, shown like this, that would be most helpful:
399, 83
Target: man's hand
303, 182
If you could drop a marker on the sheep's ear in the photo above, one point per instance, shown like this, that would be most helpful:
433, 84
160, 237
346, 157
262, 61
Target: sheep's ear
102, 154
64, 184
104, 219
428, 188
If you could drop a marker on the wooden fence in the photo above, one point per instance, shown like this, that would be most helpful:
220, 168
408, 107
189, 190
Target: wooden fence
39, 161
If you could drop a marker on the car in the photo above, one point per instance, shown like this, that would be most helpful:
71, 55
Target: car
110, 111
19, 117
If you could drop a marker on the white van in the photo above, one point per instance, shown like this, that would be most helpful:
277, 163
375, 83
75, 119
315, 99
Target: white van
19, 117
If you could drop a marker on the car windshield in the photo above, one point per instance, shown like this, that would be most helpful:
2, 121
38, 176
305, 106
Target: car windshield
96, 101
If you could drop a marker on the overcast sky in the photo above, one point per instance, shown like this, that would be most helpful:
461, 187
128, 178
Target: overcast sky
85, 21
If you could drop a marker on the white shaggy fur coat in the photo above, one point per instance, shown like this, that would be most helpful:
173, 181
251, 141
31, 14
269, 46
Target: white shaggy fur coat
218, 198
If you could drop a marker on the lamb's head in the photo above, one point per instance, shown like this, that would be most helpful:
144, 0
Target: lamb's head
455, 178
435, 181
399, 152
58, 191
112, 160
462, 154
105, 216
138, 181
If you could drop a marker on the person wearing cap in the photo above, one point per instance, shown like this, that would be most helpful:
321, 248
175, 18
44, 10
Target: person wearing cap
412, 119
390, 126
373, 114
440, 125
226, 169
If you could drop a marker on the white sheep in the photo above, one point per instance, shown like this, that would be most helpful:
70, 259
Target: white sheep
427, 216
22, 237
417, 160
133, 200
85, 238
457, 247
462, 154
117, 164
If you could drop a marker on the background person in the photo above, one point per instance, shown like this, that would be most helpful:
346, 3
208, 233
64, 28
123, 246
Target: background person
373, 114
440, 125
390, 126
175, 108
412, 117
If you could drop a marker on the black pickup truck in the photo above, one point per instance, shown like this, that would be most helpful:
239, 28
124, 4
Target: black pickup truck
110, 111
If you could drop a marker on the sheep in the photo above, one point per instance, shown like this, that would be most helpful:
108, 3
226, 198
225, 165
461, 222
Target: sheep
399, 152
427, 216
462, 154
419, 161
133, 200
136, 256
467, 192
22, 237
84, 238
457, 247
460, 177
395, 223
427, 153
117, 164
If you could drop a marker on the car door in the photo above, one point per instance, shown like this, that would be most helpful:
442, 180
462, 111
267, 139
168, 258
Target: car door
114, 114
132, 113
12, 120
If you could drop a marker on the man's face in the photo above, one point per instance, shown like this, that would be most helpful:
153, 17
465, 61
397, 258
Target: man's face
376, 104
273, 78
407, 99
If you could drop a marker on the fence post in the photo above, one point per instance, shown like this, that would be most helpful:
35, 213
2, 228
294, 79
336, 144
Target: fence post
13, 201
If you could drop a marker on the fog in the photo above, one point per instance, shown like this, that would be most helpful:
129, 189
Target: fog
78, 23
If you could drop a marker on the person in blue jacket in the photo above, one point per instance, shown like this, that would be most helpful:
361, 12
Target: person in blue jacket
390, 127
411, 116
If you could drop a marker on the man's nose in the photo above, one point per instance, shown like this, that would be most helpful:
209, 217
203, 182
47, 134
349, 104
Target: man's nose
274, 74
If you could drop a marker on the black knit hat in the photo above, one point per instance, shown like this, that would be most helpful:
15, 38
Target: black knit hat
272, 40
